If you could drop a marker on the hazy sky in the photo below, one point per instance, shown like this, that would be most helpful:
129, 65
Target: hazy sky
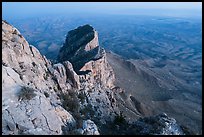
21, 9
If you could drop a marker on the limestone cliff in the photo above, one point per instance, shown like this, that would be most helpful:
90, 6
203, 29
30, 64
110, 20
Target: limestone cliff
96, 77
30, 88
82, 49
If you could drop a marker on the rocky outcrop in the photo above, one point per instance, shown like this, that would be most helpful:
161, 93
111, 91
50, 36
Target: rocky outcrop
96, 77
73, 78
29, 116
101, 73
24, 59
65, 76
88, 128
82, 49
77, 49
158, 125
30, 104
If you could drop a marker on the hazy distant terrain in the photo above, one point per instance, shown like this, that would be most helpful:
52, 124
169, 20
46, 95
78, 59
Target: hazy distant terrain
171, 44
161, 57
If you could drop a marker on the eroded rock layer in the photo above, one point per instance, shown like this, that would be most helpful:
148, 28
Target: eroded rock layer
82, 49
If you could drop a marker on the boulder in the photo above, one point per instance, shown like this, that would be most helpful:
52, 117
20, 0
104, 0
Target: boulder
89, 128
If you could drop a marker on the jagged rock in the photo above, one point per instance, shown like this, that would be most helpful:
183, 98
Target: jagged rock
75, 44
65, 75
66, 117
36, 131
89, 128
95, 75
101, 73
26, 116
81, 46
24, 59
158, 125
101, 104
59, 73
82, 49
71, 74
24, 66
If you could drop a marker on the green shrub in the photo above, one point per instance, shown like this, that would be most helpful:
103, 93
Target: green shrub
34, 64
70, 101
87, 111
79, 119
82, 97
26, 93
46, 94
120, 119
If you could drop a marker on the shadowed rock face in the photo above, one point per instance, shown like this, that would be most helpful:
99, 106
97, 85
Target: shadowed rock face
75, 40
81, 46
82, 49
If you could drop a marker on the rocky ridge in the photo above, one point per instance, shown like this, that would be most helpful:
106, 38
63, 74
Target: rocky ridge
32, 86
82, 49
25, 80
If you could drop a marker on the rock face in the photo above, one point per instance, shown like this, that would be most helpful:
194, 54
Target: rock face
89, 128
82, 49
73, 77
96, 77
65, 76
25, 74
80, 46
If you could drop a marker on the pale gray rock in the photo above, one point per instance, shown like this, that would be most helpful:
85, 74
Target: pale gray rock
65, 75
100, 73
101, 104
24, 66
89, 128
35, 131
59, 73
72, 77
65, 116
158, 125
